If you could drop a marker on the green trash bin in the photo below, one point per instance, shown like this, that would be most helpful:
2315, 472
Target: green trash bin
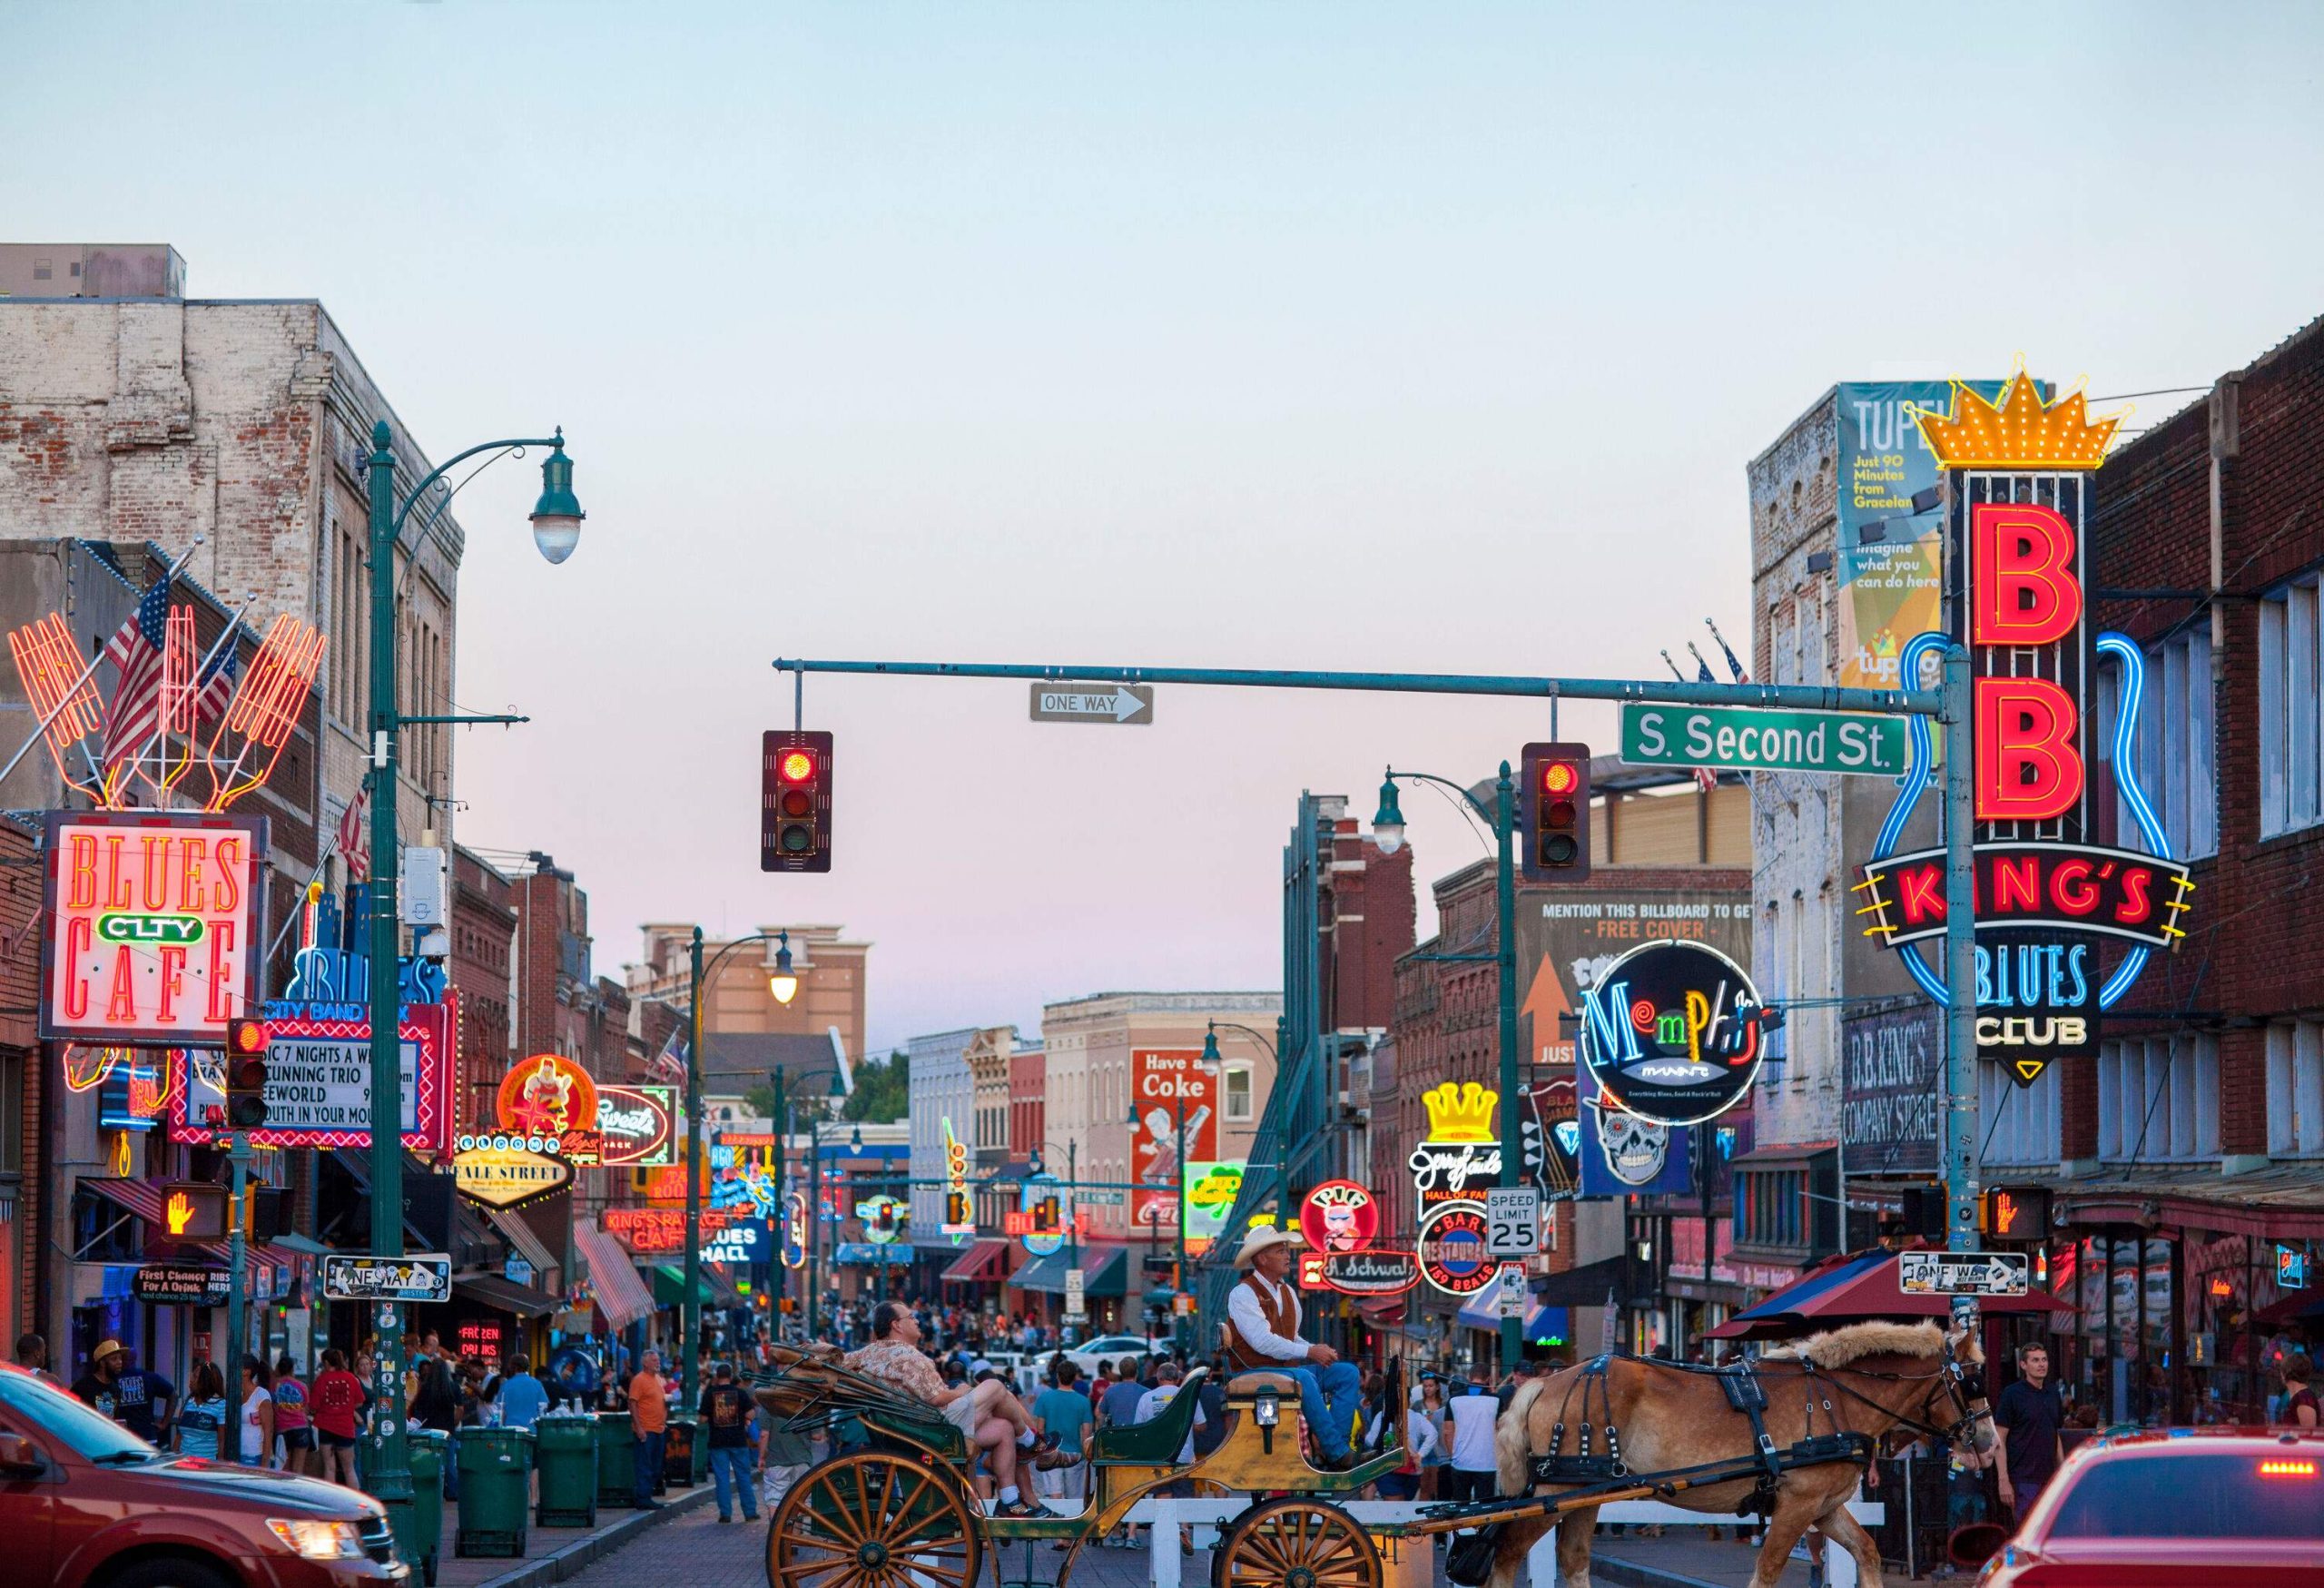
496, 1488
427, 1448
565, 1451
616, 1460
686, 1455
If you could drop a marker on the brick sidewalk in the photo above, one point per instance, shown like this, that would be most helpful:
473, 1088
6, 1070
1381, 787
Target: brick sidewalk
554, 1553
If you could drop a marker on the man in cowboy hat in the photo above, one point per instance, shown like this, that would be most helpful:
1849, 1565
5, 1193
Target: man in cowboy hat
1263, 1335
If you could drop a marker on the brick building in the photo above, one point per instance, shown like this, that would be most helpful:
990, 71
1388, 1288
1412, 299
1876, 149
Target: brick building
1664, 856
2181, 1169
484, 940
24, 1093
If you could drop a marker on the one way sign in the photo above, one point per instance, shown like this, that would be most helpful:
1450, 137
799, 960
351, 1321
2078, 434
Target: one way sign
1132, 703
1961, 1273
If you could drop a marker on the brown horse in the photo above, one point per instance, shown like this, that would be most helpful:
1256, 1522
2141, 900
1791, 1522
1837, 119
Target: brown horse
1867, 1378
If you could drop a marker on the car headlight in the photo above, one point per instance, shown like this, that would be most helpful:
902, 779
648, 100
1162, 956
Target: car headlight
319, 1540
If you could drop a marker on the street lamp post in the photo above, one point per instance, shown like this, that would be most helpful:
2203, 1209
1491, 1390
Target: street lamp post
1072, 1217
783, 984
1388, 832
556, 528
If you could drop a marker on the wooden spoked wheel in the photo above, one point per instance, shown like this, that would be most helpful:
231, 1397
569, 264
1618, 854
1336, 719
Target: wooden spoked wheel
1297, 1543
873, 1520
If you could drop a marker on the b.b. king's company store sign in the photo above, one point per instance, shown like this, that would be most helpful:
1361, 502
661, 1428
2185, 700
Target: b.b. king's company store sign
2047, 898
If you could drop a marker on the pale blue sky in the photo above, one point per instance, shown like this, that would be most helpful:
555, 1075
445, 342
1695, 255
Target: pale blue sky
1413, 338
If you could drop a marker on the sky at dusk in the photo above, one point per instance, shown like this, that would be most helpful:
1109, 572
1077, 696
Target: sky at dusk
1386, 338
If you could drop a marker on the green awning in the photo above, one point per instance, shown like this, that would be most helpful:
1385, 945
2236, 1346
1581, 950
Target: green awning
670, 1288
1105, 1271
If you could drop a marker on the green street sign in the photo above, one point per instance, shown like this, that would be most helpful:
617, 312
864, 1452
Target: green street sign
1748, 740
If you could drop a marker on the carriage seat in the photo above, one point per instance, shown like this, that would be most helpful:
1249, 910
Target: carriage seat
1258, 1378
1158, 1443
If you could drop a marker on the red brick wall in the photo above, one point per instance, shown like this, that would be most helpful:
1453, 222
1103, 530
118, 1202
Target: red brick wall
20, 918
2256, 946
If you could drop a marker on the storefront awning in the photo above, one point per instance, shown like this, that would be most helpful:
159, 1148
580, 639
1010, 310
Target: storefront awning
982, 1261
1542, 1326
670, 1288
507, 1295
141, 1199
544, 1263
620, 1294
1105, 1270
1853, 1289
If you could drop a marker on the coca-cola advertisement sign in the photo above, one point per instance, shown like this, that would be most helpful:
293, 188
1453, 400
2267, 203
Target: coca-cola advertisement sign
1167, 1087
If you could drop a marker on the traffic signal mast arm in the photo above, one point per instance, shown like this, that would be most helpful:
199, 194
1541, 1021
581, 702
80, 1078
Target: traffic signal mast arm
1777, 697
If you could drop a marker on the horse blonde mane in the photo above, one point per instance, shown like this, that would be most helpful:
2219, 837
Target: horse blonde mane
1838, 1347
1512, 1442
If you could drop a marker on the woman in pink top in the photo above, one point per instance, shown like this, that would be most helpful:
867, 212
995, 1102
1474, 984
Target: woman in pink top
291, 1429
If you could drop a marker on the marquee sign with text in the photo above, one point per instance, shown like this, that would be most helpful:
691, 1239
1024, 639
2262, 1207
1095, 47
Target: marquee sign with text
319, 1079
1672, 1032
156, 921
2047, 898
1462, 1157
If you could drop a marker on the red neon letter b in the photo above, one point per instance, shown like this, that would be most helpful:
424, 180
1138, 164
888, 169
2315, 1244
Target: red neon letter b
2022, 560
2028, 769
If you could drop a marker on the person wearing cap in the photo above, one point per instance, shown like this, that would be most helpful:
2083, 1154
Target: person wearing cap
1263, 1337
100, 1386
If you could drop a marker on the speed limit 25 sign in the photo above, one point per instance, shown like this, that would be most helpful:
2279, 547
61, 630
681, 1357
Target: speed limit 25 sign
1513, 1221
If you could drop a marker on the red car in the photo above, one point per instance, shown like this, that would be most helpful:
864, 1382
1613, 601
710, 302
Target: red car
2182, 1506
86, 1503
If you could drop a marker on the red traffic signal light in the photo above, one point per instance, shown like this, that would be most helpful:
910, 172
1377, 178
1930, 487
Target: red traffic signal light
795, 802
246, 1052
1554, 812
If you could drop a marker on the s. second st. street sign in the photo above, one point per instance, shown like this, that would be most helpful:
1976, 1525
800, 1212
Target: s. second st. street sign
1127, 704
421, 1277
1748, 739
1963, 1273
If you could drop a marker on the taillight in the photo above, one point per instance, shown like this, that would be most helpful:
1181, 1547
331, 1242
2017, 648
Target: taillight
2279, 1466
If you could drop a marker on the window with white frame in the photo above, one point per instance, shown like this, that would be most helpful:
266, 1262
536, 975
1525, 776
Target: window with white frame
1238, 1078
2022, 1121
2296, 1087
1775, 1045
2157, 1098
2176, 764
2291, 710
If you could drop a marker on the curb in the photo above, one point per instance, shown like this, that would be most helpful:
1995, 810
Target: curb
584, 1552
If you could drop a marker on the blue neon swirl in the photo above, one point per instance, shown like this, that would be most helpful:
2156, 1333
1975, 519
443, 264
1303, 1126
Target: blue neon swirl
1923, 755
2124, 649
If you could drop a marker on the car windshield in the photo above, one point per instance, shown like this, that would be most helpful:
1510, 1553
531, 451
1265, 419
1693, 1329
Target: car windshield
2213, 1494
92, 1435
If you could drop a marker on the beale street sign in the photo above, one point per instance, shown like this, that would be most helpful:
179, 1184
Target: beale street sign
1748, 739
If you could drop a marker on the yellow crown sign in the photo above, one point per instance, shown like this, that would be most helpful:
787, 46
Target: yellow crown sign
1460, 1112
2019, 433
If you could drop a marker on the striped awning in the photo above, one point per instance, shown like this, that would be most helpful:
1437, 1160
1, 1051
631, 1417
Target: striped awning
620, 1294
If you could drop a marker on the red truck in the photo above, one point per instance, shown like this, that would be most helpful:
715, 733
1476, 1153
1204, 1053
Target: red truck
86, 1503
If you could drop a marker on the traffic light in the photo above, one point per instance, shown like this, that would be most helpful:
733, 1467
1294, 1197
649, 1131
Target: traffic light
1045, 1216
795, 803
958, 1208
1553, 813
246, 1043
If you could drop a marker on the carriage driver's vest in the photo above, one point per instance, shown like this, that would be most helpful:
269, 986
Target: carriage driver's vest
1280, 1307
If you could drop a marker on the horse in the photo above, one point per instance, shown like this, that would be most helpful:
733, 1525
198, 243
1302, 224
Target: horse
1865, 1378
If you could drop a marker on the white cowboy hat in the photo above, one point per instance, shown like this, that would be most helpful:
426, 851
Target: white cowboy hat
1262, 1238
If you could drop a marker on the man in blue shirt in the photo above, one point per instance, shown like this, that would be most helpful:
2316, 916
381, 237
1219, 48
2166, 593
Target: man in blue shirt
523, 1397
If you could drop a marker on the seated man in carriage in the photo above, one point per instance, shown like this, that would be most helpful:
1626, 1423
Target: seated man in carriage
987, 1414
1263, 1337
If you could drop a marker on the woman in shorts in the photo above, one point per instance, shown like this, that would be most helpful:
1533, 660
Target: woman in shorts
294, 1435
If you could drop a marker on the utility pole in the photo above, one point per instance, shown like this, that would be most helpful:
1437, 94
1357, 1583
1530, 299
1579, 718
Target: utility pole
238, 1153
1512, 1329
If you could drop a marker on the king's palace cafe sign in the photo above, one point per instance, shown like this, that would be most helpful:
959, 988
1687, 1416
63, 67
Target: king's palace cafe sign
2049, 901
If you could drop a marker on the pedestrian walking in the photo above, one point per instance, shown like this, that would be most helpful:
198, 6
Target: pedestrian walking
725, 1412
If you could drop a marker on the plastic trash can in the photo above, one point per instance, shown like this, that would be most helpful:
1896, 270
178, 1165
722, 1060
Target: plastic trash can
564, 1452
427, 1447
686, 1454
496, 1490
616, 1460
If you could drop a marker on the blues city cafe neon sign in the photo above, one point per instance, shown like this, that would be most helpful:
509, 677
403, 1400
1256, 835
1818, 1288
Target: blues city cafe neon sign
2045, 896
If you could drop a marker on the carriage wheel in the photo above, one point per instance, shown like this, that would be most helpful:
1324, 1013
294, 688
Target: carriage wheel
873, 1520
1297, 1543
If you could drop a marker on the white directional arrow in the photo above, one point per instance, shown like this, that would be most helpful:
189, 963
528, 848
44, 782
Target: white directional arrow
1102, 703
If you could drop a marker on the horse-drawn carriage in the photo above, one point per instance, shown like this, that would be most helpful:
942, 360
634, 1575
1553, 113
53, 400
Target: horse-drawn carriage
893, 1505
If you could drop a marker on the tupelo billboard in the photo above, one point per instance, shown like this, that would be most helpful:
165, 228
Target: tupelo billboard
156, 921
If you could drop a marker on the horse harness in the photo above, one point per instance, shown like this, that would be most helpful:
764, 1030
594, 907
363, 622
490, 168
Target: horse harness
1745, 1393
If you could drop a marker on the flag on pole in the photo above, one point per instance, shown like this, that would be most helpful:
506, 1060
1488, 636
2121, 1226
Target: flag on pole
1742, 674
350, 841
1706, 779
671, 1061
215, 689
137, 649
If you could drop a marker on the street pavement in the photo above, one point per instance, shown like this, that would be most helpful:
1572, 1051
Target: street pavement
618, 1535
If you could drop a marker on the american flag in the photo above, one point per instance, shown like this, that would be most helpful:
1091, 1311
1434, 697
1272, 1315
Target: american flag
350, 837
136, 649
671, 1061
139, 650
